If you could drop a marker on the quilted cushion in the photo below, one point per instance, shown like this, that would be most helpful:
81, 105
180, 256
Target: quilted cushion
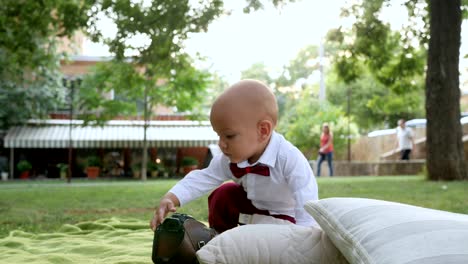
270, 243
381, 232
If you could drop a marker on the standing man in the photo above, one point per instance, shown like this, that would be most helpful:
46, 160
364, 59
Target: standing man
405, 139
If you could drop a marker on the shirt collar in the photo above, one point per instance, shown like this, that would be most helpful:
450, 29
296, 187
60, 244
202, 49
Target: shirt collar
269, 155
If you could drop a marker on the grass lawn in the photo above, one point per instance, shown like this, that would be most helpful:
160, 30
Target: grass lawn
44, 206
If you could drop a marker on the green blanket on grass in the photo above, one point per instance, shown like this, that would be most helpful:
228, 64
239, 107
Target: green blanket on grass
103, 241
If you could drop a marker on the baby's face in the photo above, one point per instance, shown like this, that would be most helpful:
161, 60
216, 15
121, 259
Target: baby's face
238, 139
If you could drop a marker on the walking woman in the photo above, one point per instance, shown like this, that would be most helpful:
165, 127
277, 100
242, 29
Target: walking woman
326, 149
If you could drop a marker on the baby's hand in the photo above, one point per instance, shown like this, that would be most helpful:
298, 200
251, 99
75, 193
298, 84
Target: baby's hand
167, 204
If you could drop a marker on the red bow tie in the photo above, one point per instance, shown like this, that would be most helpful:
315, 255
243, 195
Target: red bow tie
257, 169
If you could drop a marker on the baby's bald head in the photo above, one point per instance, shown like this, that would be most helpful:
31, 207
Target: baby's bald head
248, 99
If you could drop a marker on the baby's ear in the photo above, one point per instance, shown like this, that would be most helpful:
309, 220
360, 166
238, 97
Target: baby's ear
265, 128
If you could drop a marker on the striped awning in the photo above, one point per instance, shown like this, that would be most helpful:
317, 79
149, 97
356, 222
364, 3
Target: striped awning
114, 134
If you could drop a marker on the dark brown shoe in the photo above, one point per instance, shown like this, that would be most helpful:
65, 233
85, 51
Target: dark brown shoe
178, 238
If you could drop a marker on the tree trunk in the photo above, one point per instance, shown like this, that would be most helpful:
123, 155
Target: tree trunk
445, 155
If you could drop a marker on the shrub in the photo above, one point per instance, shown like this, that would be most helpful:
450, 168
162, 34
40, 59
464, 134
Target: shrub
63, 167
189, 161
93, 161
23, 165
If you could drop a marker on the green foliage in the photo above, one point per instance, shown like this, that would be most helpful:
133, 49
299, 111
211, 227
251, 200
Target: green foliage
93, 161
214, 88
383, 70
185, 89
464, 7
253, 5
63, 167
302, 125
371, 104
106, 77
159, 73
153, 166
153, 71
189, 161
257, 71
136, 167
30, 81
301, 66
23, 165
391, 57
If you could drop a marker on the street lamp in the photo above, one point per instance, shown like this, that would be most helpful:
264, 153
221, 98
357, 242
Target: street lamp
71, 84
322, 91
349, 122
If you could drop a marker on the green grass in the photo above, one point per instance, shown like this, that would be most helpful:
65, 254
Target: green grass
44, 206
414, 190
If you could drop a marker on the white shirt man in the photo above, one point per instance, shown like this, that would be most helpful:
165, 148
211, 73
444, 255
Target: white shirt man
405, 139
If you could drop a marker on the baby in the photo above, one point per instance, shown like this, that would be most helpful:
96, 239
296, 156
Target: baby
265, 174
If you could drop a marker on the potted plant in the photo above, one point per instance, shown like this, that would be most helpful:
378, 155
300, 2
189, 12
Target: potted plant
188, 164
165, 172
4, 171
4, 175
154, 168
63, 168
93, 165
24, 167
136, 169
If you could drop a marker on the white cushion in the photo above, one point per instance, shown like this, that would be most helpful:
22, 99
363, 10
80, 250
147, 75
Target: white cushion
380, 232
270, 243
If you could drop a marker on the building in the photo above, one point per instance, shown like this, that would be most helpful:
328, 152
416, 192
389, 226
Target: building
118, 145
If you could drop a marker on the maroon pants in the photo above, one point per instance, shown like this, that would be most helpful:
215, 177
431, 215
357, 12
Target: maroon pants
227, 202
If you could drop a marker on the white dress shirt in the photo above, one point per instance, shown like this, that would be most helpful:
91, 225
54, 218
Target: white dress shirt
290, 185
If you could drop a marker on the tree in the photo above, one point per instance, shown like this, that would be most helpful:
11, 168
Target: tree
444, 140
372, 103
302, 124
301, 113
445, 154
259, 72
30, 31
156, 69
216, 86
380, 66
301, 67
